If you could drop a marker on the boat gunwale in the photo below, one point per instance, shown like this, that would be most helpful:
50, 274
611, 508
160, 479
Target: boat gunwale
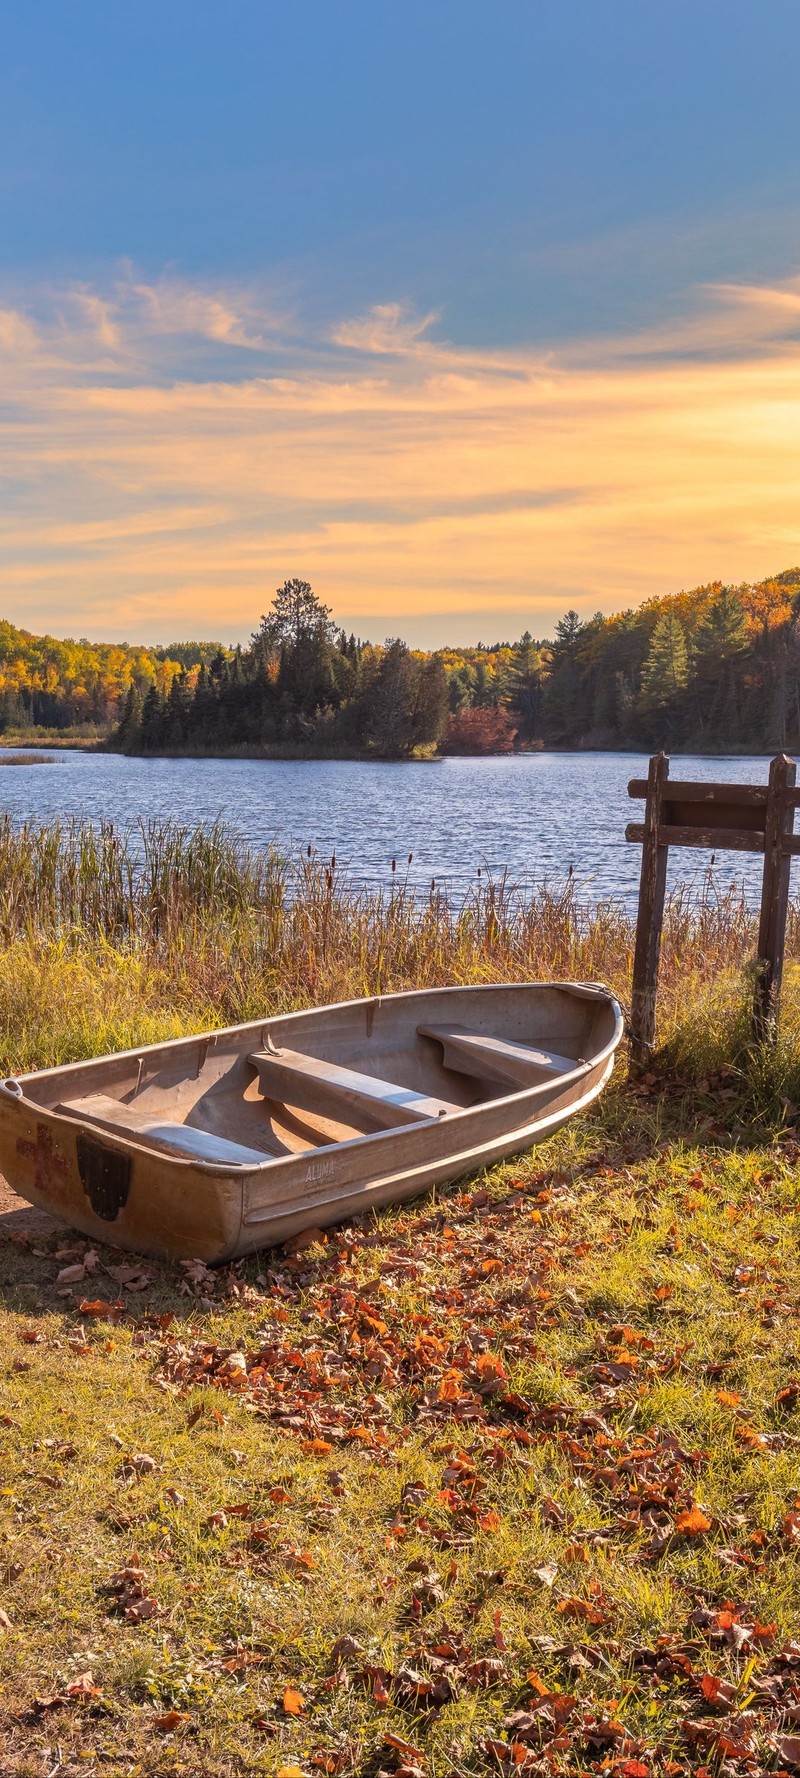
240, 1170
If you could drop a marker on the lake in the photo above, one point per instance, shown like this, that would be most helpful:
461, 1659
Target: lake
534, 815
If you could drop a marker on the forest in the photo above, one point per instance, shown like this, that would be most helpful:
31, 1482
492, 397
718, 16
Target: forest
716, 668
81, 686
712, 669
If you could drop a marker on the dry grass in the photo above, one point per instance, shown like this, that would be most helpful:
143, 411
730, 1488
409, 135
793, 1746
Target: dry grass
110, 938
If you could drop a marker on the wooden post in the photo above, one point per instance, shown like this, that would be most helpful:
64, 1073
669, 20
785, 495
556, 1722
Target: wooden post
651, 913
774, 896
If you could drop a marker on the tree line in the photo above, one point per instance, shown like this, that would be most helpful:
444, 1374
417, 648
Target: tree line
713, 668
47, 683
301, 684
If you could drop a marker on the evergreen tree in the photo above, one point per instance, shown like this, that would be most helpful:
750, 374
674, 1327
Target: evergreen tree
665, 671
720, 641
151, 735
565, 707
295, 612
524, 684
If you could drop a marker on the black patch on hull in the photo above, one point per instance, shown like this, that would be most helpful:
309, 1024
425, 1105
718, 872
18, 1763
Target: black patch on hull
105, 1175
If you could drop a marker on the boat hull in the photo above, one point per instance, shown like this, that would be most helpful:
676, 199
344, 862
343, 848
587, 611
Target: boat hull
115, 1188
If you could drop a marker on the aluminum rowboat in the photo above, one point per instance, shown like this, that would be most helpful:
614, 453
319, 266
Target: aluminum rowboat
213, 1146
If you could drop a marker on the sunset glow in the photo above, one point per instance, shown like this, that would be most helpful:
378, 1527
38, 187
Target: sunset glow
180, 451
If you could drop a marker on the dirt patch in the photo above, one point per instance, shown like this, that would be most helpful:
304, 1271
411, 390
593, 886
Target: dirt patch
19, 1217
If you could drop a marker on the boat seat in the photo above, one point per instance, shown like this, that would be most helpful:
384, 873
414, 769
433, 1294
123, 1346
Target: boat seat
497, 1058
202, 1145
311, 1084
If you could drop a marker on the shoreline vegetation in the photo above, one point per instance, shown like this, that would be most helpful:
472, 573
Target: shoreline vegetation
114, 936
715, 670
498, 1482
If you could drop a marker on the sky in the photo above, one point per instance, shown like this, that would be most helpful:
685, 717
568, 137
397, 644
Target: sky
467, 311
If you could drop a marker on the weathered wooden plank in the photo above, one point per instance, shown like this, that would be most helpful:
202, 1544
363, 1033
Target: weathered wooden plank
652, 885
742, 817
714, 839
774, 896
691, 790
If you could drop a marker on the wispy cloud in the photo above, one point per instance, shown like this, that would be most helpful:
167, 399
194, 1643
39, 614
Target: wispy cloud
169, 452
387, 328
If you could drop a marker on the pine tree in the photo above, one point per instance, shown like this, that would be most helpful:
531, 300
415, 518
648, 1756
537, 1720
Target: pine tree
719, 643
666, 668
295, 612
524, 685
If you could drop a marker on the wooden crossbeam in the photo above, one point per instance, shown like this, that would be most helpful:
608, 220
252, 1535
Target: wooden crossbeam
721, 839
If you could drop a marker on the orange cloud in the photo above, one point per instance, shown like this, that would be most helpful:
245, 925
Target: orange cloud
172, 452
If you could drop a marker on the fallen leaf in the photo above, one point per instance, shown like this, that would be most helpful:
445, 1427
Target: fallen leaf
84, 1687
306, 1238
170, 1720
407, 1748
715, 1689
693, 1522
293, 1702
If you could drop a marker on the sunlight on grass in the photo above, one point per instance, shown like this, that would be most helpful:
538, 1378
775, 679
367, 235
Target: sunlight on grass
421, 1493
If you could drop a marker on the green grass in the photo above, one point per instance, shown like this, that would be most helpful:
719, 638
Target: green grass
460, 1434
460, 1347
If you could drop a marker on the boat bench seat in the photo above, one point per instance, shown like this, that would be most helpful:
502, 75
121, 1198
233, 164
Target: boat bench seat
311, 1084
497, 1058
202, 1145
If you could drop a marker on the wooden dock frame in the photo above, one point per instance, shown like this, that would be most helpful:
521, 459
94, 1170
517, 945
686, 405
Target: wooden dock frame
721, 817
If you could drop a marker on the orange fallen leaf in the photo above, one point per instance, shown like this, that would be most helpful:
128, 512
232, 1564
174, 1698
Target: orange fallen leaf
693, 1522
490, 1521
728, 1398
100, 1310
293, 1702
170, 1720
747, 1435
406, 1747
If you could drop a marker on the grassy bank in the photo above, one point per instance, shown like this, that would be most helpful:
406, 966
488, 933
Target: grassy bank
504, 1480
84, 735
110, 939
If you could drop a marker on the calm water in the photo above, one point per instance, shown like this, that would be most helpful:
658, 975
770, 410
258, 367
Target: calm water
535, 815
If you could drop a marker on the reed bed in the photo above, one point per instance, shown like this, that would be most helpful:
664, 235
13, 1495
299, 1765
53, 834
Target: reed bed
112, 936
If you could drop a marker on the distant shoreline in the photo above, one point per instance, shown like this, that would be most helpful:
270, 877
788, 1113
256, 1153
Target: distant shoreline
297, 753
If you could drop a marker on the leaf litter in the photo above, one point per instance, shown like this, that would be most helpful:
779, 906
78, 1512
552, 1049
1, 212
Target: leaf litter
434, 1336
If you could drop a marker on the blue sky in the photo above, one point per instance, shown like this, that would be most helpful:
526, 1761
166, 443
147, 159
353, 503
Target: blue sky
532, 179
